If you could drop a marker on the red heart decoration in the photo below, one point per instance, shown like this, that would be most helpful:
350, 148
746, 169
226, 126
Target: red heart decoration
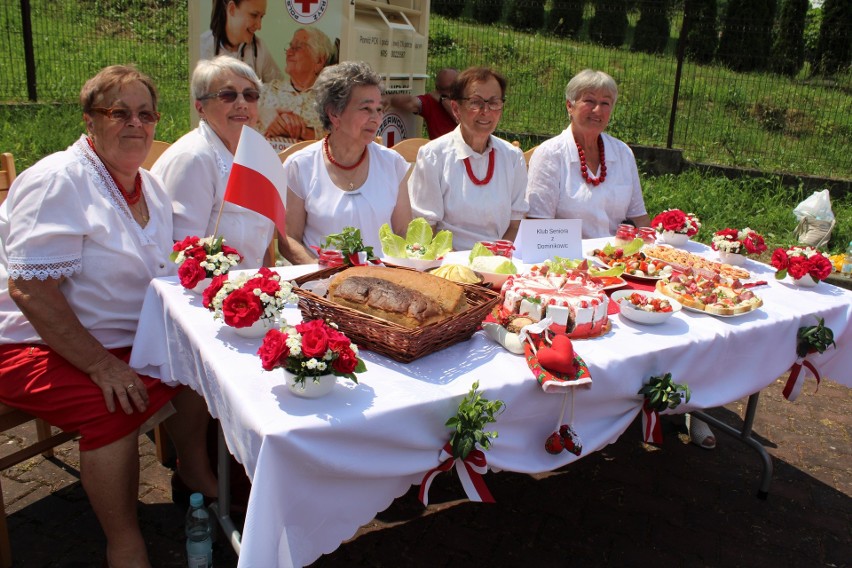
559, 357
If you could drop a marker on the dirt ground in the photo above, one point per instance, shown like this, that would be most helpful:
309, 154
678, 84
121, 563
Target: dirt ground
627, 505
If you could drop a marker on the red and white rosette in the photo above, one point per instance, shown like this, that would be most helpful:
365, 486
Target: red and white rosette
470, 471
798, 374
652, 432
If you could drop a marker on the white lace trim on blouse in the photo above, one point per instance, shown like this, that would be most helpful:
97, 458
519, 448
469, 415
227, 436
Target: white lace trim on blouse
106, 185
44, 268
224, 170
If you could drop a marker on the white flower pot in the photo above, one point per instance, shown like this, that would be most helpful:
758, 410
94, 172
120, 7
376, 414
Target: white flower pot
312, 387
805, 281
733, 258
255, 330
202, 285
673, 239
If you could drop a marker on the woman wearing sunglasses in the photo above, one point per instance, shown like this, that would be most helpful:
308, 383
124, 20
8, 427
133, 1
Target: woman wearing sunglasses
345, 180
196, 167
469, 181
82, 233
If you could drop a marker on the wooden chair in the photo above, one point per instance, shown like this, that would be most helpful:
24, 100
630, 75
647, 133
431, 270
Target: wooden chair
293, 148
408, 148
528, 155
7, 174
157, 148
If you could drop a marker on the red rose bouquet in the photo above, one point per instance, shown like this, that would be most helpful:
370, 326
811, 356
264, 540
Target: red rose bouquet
800, 261
311, 349
746, 241
203, 258
676, 221
246, 299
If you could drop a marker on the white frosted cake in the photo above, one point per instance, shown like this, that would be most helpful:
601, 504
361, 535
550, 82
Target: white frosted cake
570, 299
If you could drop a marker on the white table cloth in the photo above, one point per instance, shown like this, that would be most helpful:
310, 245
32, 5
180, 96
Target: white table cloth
321, 468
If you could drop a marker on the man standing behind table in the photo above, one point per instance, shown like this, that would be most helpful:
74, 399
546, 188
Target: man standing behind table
433, 106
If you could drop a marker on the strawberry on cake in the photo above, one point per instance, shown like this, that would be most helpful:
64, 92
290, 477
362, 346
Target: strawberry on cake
572, 300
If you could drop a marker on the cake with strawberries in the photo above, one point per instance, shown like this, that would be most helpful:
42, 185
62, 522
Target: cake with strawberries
571, 299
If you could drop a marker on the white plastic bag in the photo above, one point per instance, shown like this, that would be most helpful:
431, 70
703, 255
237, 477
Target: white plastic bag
818, 206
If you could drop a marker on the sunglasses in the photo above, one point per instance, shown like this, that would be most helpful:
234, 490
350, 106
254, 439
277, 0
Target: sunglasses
117, 114
477, 104
230, 95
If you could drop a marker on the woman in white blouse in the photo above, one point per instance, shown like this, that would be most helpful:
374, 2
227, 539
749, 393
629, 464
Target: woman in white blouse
195, 169
469, 181
346, 180
82, 233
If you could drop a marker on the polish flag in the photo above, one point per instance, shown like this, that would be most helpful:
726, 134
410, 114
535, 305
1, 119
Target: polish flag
257, 180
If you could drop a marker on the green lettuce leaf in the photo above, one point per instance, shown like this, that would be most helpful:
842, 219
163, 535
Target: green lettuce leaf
441, 244
478, 250
392, 245
629, 249
419, 232
495, 264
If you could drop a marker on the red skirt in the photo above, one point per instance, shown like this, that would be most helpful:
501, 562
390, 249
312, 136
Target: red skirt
35, 379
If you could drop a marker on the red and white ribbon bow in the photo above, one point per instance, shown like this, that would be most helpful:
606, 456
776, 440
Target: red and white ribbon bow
652, 432
797, 378
470, 471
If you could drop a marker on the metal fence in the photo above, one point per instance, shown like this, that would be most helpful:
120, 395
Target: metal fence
758, 119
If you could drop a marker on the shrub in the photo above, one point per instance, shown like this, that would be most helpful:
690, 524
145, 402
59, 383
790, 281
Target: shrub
834, 49
609, 24
566, 18
526, 14
486, 11
448, 8
788, 52
747, 35
702, 37
652, 29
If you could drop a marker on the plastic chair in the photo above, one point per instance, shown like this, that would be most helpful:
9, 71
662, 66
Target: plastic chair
7, 174
409, 147
157, 148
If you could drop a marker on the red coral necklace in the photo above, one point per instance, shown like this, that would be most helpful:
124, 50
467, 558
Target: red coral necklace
331, 159
584, 169
131, 198
489, 174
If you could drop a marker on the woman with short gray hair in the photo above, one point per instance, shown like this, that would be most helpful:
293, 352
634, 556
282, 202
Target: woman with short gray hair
195, 169
347, 180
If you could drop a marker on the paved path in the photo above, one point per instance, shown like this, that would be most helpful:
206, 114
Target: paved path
628, 505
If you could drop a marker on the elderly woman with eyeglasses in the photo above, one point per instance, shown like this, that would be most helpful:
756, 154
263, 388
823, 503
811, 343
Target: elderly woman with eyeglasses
346, 180
196, 167
469, 181
287, 106
82, 233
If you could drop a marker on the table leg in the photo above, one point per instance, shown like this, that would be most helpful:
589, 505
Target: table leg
222, 507
745, 437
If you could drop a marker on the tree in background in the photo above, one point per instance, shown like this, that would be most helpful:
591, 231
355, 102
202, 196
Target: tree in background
652, 30
486, 11
788, 52
448, 8
566, 18
834, 48
702, 38
526, 14
747, 35
813, 21
609, 24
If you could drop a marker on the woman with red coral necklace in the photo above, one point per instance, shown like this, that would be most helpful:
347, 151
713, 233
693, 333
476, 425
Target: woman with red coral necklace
345, 180
583, 173
469, 181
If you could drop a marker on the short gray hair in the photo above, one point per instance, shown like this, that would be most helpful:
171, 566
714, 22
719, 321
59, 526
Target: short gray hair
590, 80
333, 88
318, 42
209, 70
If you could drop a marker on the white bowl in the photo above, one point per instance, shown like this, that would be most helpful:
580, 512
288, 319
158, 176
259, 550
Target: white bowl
415, 263
496, 280
672, 238
641, 316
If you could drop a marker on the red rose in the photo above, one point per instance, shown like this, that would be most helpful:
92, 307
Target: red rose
199, 253
754, 243
267, 285
242, 308
693, 228
729, 234
211, 291
274, 351
338, 342
226, 250
186, 243
798, 266
672, 220
779, 259
345, 362
820, 267
314, 338
191, 273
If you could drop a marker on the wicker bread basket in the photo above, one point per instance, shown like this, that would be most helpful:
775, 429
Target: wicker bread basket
391, 339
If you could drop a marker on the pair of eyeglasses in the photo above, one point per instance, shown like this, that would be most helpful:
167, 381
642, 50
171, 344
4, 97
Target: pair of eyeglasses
230, 95
477, 103
117, 114
296, 46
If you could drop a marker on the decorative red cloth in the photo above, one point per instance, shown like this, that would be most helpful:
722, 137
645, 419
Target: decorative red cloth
36, 380
438, 120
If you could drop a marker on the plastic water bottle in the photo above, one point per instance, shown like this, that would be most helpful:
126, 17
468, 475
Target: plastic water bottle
846, 269
199, 530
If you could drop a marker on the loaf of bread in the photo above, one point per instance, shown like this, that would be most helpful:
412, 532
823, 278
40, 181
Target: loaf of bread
408, 298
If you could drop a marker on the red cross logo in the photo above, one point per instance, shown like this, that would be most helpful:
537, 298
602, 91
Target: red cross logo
306, 5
